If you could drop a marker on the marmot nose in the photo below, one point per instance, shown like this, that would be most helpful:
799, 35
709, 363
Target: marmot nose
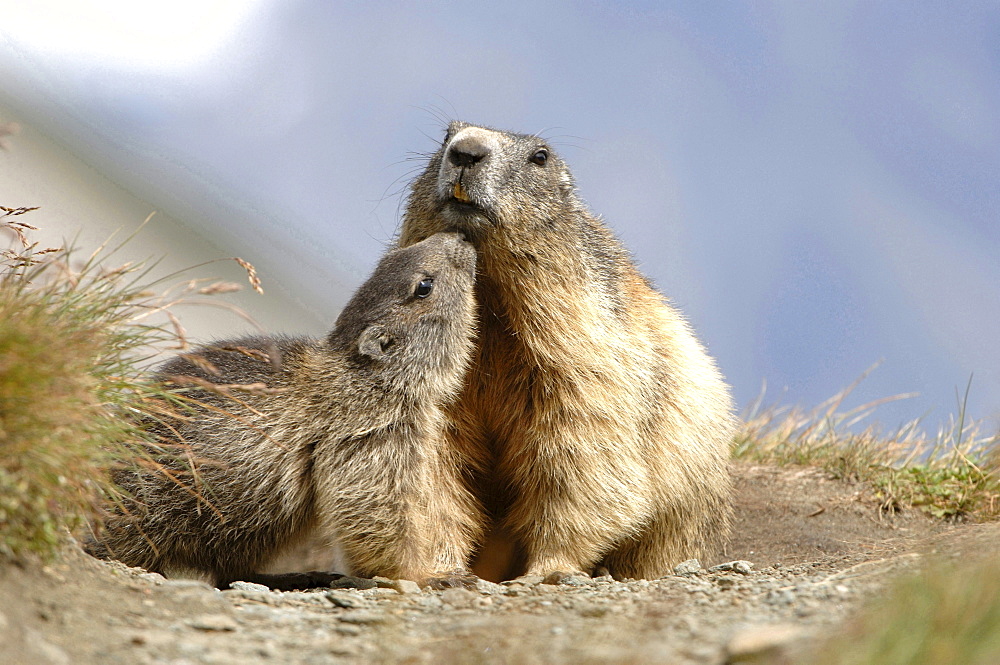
468, 150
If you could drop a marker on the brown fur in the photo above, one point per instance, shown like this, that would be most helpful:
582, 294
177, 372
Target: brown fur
347, 448
593, 429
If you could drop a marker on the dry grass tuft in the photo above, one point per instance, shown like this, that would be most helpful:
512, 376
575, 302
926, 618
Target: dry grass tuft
953, 475
50, 449
75, 338
947, 614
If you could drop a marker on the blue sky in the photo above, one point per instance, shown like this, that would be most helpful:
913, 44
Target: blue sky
816, 185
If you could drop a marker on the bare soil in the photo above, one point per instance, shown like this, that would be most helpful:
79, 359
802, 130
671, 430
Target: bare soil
818, 548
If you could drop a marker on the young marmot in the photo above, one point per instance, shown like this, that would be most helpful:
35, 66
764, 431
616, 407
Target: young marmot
343, 447
593, 428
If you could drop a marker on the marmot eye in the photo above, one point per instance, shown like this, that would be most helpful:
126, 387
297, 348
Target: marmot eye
424, 288
540, 157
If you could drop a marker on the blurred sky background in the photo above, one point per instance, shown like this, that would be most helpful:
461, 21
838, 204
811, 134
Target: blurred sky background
815, 184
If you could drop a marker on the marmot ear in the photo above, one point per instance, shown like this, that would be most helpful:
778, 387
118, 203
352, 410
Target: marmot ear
375, 341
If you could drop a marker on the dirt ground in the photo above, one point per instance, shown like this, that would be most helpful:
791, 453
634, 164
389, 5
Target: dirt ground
817, 547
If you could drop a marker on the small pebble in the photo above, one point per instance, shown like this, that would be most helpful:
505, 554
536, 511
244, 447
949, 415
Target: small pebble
484, 586
213, 622
346, 599
249, 586
405, 586
741, 567
689, 567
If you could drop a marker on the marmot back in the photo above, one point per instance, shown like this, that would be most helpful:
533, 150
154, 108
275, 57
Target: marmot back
593, 426
343, 442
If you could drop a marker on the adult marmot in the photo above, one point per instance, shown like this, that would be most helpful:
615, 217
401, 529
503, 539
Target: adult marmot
593, 428
343, 445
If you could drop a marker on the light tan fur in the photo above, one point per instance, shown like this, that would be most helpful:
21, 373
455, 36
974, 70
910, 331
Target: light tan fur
345, 445
593, 428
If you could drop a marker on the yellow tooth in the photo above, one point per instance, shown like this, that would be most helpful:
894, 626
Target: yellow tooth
460, 193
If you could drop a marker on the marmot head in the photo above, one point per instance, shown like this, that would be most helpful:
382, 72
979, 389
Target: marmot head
413, 320
483, 181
